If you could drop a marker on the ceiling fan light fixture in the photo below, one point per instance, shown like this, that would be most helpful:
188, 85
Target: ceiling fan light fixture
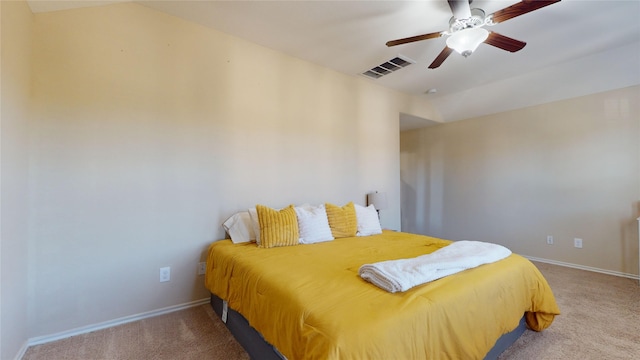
466, 41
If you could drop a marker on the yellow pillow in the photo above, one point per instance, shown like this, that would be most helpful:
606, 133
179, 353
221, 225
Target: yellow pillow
277, 227
342, 220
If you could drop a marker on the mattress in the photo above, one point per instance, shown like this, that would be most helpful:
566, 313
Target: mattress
309, 302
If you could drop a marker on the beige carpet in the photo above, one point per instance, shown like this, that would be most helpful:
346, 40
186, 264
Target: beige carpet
600, 320
191, 334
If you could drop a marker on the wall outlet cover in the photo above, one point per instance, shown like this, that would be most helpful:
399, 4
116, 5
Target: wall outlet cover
165, 274
577, 243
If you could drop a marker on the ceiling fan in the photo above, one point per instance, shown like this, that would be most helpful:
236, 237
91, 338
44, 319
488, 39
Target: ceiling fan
466, 30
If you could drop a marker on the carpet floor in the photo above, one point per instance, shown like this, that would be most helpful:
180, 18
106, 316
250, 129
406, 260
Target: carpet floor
191, 334
600, 320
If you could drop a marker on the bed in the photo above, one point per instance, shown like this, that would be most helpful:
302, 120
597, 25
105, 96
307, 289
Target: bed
309, 302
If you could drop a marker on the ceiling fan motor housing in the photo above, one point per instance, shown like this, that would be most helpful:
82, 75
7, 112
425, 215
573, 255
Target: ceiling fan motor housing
477, 19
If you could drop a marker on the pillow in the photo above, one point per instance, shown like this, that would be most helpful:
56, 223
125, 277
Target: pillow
313, 224
368, 220
342, 220
240, 228
277, 227
255, 224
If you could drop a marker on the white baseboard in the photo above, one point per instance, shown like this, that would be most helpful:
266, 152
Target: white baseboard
582, 267
107, 324
23, 350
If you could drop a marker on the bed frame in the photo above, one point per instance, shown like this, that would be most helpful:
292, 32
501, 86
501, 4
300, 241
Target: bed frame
258, 349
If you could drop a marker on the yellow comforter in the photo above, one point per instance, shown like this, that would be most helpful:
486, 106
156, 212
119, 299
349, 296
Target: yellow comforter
309, 302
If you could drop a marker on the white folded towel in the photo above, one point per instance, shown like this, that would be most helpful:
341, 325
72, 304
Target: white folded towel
403, 274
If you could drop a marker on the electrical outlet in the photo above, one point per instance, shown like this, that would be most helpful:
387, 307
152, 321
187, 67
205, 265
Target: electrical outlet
165, 274
202, 268
577, 243
550, 239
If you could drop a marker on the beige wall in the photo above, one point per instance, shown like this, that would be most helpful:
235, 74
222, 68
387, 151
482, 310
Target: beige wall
150, 131
17, 24
570, 169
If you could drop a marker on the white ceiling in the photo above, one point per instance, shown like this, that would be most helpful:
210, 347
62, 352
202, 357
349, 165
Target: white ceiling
574, 47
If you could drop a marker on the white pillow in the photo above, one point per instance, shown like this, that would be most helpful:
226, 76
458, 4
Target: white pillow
255, 223
368, 220
313, 224
239, 227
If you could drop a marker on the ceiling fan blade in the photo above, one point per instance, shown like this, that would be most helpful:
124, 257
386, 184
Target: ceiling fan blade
460, 8
444, 54
504, 42
518, 9
414, 38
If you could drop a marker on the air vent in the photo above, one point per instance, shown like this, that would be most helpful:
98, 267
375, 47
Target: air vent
388, 67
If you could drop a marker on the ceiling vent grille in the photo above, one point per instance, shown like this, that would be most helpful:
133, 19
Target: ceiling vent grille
388, 67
